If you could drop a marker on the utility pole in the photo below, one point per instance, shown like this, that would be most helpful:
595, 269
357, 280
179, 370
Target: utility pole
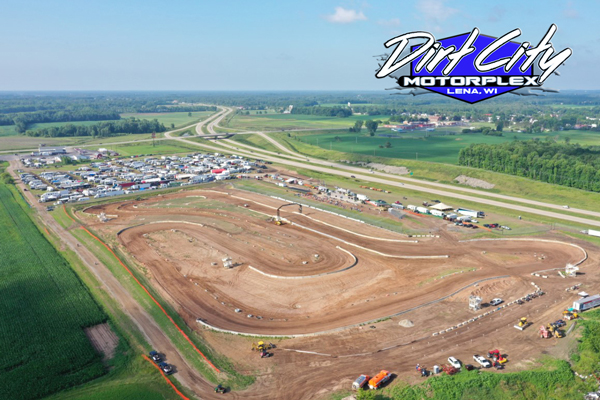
417, 156
330, 145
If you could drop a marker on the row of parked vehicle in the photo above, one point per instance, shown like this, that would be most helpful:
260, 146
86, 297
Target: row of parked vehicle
496, 226
158, 359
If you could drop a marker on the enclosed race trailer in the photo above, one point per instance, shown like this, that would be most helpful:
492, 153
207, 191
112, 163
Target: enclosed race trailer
471, 213
586, 303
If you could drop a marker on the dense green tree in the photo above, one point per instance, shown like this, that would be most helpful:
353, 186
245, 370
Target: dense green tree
371, 127
563, 164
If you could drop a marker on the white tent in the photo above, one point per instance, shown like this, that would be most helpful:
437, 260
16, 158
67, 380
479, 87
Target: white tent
442, 207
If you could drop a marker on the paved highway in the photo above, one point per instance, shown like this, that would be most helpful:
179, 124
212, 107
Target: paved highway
295, 160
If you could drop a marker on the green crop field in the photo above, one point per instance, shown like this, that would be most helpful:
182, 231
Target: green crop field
180, 119
43, 310
296, 121
146, 148
416, 146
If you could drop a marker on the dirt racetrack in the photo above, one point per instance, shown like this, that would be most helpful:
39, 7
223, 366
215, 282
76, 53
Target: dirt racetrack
316, 273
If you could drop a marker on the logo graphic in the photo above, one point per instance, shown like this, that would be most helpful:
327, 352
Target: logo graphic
471, 67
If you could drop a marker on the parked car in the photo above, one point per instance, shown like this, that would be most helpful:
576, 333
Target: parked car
168, 369
496, 301
454, 362
484, 362
469, 367
155, 356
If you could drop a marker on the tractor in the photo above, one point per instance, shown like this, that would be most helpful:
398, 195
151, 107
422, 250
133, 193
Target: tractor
220, 389
494, 354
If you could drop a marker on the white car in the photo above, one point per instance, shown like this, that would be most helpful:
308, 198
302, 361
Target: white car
495, 302
484, 362
454, 362
565, 206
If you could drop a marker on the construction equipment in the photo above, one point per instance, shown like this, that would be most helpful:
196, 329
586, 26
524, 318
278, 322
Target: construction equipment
522, 324
278, 220
262, 346
449, 369
569, 314
558, 333
545, 333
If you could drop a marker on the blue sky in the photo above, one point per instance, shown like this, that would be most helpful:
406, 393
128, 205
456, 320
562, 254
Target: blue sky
266, 45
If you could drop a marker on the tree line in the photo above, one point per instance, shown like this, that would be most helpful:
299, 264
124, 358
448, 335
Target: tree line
340, 112
102, 129
23, 120
559, 163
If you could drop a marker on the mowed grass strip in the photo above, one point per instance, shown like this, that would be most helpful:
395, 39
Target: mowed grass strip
43, 310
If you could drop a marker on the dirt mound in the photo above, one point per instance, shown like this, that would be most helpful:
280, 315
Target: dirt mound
407, 323
390, 169
477, 183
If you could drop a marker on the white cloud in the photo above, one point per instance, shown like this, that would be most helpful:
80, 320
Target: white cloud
497, 14
435, 11
343, 16
389, 22
570, 12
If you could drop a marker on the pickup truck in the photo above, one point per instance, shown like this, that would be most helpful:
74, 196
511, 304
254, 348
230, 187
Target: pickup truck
484, 362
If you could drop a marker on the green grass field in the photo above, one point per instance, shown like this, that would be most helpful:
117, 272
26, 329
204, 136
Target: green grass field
180, 119
271, 122
146, 148
43, 310
416, 146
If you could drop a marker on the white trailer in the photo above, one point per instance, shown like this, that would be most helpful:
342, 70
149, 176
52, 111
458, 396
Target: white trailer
464, 218
586, 303
471, 213
411, 207
362, 197
593, 232
423, 210
437, 213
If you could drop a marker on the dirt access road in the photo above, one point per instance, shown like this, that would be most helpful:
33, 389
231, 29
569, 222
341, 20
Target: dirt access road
186, 374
